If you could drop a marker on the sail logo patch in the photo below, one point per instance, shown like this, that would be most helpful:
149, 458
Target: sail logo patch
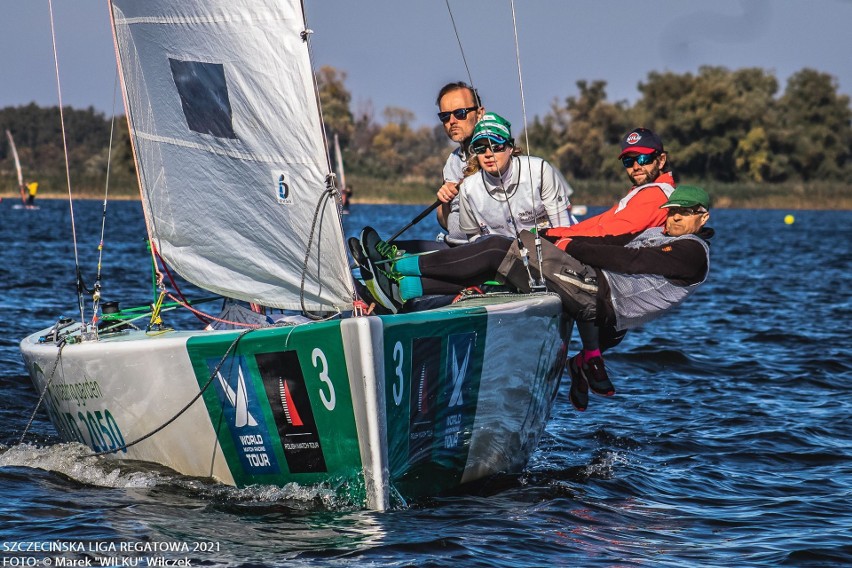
291, 407
241, 409
282, 188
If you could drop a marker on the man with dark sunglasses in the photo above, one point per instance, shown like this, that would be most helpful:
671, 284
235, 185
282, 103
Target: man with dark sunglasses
459, 109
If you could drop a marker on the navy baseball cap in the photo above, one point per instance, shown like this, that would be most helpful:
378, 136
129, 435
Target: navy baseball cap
641, 141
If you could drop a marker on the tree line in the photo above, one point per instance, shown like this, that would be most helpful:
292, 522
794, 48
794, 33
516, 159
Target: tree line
719, 125
37, 132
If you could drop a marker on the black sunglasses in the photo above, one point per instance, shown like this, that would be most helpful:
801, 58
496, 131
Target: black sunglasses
687, 211
641, 159
482, 148
459, 113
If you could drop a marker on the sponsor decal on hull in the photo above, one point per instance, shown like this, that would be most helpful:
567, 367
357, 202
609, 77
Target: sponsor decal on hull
423, 400
432, 395
291, 409
243, 415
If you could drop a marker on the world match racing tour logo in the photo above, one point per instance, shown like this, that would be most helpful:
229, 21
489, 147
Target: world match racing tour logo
284, 387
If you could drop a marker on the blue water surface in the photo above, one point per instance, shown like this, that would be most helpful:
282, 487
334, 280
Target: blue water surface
727, 443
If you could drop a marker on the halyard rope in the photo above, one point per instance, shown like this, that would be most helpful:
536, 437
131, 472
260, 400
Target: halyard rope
527, 143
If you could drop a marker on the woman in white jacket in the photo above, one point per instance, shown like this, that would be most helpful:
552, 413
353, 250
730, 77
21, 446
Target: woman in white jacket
504, 192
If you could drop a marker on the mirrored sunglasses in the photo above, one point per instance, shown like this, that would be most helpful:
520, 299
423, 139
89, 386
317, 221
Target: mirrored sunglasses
459, 113
641, 159
482, 148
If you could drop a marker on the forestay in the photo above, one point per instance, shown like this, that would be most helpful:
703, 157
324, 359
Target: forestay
229, 149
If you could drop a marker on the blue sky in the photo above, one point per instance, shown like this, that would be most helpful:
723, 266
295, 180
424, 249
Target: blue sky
399, 52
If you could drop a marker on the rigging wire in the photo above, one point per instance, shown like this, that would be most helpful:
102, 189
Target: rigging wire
61, 343
522, 248
331, 192
67, 165
540, 283
96, 296
461, 49
231, 348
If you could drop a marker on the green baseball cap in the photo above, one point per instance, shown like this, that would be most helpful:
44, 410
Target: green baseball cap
493, 127
688, 196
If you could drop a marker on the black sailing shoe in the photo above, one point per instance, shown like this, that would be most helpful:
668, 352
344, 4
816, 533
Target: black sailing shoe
579, 392
360, 258
377, 250
598, 380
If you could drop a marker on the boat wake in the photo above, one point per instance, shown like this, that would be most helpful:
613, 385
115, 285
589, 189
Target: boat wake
76, 462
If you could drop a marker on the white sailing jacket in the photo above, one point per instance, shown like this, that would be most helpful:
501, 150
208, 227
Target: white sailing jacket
532, 192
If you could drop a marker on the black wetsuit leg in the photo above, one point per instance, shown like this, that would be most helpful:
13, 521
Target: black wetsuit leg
465, 265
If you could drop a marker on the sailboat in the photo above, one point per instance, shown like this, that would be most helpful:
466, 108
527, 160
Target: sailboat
22, 187
239, 199
345, 190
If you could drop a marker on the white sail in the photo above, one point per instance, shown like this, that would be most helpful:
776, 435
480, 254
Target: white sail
228, 143
17, 161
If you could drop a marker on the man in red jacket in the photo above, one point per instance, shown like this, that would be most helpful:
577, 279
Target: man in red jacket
646, 164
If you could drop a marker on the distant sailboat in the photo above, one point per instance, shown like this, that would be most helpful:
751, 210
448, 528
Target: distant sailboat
22, 187
345, 190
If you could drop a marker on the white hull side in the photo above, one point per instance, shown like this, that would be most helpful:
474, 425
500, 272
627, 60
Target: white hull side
139, 384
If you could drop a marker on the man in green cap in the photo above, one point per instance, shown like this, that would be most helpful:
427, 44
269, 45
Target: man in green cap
621, 281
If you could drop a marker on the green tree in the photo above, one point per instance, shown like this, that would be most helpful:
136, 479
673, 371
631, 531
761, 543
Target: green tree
703, 118
815, 127
398, 150
335, 99
579, 136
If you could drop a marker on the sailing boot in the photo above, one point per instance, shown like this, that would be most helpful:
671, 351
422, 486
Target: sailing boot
357, 252
384, 288
595, 374
364, 291
579, 392
376, 249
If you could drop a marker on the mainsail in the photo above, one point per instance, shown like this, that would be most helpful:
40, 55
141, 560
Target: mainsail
17, 164
228, 144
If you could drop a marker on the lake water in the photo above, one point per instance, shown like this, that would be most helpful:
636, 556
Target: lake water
728, 443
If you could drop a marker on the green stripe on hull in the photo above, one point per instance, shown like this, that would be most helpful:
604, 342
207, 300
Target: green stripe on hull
281, 405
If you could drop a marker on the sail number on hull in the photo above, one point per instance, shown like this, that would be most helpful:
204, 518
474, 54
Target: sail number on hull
317, 356
398, 388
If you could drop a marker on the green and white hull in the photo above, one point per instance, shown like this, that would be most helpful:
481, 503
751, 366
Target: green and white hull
416, 403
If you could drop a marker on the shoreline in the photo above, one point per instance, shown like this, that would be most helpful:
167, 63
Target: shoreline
792, 202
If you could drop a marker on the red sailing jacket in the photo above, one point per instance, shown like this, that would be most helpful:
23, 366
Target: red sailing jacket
641, 212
